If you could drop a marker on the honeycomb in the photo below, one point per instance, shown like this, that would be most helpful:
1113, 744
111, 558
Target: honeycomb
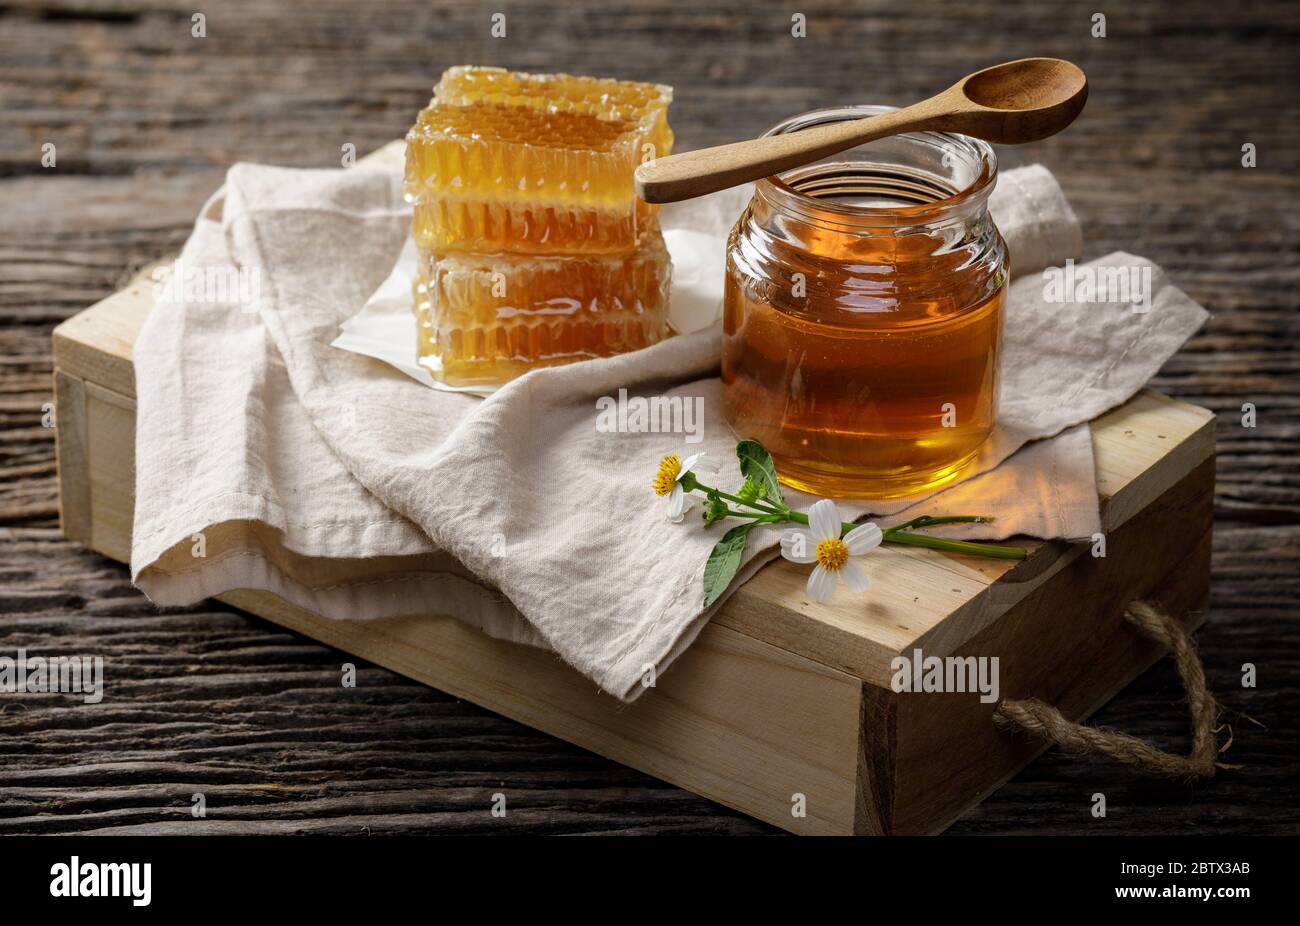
609, 99
487, 319
502, 167
445, 224
534, 247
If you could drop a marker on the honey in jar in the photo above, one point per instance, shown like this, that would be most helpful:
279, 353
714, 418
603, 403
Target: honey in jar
863, 314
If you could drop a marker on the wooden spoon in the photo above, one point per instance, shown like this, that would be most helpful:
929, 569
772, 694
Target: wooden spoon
1011, 103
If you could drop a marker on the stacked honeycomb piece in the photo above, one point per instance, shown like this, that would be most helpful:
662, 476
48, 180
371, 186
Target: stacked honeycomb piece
534, 249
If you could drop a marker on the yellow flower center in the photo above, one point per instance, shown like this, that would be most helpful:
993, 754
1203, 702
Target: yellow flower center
832, 554
669, 469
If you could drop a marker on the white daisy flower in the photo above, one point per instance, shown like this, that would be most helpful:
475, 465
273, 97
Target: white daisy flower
820, 543
668, 481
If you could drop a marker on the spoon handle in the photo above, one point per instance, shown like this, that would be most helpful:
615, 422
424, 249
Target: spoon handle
683, 176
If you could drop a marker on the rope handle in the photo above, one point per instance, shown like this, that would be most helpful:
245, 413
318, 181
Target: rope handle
1042, 720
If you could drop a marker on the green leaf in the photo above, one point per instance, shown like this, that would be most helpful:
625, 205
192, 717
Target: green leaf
724, 559
756, 464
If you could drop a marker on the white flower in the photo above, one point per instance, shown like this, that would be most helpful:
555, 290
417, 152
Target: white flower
820, 543
668, 481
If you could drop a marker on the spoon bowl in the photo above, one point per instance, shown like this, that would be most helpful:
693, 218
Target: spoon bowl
1038, 97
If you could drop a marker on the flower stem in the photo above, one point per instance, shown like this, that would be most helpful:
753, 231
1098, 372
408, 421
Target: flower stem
957, 546
760, 506
773, 517
900, 534
766, 512
926, 520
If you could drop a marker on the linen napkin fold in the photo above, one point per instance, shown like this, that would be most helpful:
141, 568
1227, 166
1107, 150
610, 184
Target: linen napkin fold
267, 459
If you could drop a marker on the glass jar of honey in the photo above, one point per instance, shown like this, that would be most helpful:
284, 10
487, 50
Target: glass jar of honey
863, 313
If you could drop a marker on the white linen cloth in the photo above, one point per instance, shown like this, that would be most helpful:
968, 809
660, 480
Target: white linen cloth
265, 458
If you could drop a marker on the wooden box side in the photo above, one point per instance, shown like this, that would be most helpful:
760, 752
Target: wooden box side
926, 758
736, 720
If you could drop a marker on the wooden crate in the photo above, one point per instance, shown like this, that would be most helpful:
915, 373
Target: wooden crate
779, 696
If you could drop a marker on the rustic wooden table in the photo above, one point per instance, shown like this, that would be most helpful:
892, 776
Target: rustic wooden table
144, 118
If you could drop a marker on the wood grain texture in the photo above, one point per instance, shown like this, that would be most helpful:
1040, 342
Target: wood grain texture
145, 118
